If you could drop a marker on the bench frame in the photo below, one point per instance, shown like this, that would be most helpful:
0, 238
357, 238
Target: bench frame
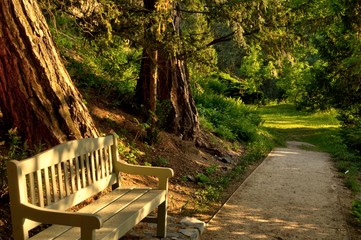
43, 187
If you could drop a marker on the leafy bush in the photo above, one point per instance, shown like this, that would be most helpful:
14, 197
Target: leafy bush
356, 210
17, 149
209, 194
109, 67
160, 161
228, 117
352, 137
222, 84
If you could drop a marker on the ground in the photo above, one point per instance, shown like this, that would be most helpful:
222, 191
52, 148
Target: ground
186, 159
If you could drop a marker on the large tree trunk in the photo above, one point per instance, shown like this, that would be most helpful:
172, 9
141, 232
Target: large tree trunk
37, 95
172, 84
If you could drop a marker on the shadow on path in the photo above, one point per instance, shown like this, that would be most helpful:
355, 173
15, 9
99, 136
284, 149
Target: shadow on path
293, 194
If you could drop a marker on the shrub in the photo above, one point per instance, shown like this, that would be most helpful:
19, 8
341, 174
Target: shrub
160, 161
356, 210
352, 137
228, 117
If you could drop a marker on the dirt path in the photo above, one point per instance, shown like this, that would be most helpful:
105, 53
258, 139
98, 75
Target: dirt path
293, 194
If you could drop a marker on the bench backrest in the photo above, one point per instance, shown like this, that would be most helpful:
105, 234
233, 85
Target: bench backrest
65, 175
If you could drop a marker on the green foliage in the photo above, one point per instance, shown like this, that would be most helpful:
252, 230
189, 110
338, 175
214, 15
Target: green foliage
352, 137
112, 70
251, 69
211, 169
356, 209
336, 45
163, 113
203, 178
3, 176
109, 68
259, 148
208, 194
129, 152
160, 161
17, 149
229, 117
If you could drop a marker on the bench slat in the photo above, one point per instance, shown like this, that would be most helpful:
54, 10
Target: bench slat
97, 165
64, 152
77, 173
82, 167
110, 159
32, 188
47, 186
54, 187
57, 230
66, 179
122, 222
102, 163
92, 165
104, 157
60, 181
88, 168
83, 193
72, 174
39, 181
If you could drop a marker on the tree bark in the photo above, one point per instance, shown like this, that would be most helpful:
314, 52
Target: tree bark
36, 92
172, 85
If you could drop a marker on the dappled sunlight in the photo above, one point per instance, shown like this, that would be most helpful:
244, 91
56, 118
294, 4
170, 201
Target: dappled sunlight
283, 153
299, 123
258, 223
289, 196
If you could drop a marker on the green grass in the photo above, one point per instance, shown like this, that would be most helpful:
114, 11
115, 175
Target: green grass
288, 124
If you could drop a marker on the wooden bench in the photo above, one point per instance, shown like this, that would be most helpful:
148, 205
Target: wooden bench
44, 188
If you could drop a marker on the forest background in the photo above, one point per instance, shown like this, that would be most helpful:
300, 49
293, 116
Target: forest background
203, 68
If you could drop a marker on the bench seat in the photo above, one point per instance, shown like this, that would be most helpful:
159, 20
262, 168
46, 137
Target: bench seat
119, 211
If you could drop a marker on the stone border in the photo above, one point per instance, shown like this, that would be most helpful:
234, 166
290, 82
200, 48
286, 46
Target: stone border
188, 228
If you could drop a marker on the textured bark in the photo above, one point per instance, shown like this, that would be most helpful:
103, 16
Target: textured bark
175, 86
172, 85
37, 95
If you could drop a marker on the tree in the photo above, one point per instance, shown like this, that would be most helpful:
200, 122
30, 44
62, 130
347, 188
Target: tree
37, 95
164, 76
330, 32
157, 26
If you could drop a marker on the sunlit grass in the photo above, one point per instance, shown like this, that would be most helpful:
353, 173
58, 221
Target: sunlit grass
287, 117
292, 125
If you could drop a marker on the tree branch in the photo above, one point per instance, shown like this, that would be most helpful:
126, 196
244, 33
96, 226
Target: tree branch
225, 38
191, 11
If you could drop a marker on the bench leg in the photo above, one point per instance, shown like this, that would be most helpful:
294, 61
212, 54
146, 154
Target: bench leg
162, 220
19, 232
87, 234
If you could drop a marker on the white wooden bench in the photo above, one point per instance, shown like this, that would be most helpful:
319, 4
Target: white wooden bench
44, 187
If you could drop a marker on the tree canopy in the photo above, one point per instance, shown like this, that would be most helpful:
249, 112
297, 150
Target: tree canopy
306, 52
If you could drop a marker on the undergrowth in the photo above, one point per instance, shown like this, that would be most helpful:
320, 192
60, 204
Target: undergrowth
16, 149
225, 116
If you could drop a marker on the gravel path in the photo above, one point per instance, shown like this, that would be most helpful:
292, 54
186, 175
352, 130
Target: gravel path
293, 194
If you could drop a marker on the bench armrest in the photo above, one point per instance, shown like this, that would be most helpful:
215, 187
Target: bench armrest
161, 173
50, 216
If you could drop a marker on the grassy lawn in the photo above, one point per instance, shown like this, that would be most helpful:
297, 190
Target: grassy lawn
288, 124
